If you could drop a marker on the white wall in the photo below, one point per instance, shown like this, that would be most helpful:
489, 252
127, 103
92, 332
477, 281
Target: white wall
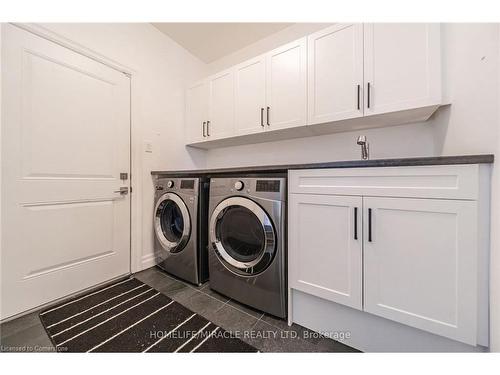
470, 68
161, 70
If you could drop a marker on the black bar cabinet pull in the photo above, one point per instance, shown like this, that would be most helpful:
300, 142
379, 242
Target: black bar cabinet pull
204, 122
268, 124
359, 90
355, 223
368, 95
208, 128
369, 225
262, 117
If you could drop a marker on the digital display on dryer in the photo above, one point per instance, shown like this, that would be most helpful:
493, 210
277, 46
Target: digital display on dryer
187, 184
272, 186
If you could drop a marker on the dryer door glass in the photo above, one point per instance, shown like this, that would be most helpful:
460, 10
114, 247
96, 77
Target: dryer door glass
172, 222
241, 234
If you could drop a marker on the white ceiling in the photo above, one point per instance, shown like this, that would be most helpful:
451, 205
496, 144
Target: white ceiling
211, 41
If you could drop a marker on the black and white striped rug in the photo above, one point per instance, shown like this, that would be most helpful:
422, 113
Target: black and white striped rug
130, 316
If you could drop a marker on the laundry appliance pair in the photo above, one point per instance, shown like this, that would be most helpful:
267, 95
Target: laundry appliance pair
228, 229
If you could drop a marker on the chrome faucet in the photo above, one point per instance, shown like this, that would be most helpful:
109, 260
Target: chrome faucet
365, 147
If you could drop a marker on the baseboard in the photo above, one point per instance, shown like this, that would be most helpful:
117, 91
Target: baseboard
148, 261
367, 332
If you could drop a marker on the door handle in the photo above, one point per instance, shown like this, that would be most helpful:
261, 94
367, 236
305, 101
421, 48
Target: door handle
368, 94
268, 124
355, 223
262, 117
123, 190
369, 225
204, 129
359, 102
208, 128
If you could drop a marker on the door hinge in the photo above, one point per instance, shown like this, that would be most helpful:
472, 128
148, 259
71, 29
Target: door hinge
131, 190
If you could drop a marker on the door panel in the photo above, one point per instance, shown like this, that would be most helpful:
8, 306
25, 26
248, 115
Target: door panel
335, 68
221, 106
286, 86
250, 95
47, 84
325, 256
402, 66
65, 140
196, 112
420, 264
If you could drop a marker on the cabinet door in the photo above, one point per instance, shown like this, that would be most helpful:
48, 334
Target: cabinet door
196, 112
250, 96
286, 89
221, 108
325, 242
335, 71
402, 66
420, 264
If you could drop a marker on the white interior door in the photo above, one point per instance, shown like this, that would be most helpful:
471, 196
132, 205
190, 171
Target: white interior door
335, 68
420, 264
221, 108
286, 89
65, 140
402, 66
250, 82
325, 247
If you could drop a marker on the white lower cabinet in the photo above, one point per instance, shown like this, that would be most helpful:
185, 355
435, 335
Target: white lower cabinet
325, 247
413, 255
420, 264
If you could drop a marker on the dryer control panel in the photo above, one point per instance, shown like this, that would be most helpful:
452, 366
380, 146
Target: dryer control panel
273, 188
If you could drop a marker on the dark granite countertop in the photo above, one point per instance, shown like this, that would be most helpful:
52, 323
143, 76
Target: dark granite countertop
283, 168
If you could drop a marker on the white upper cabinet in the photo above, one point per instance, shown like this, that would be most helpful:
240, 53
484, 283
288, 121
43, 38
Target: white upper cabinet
372, 75
196, 111
250, 95
335, 73
220, 121
420, 264
286, 88
402, 66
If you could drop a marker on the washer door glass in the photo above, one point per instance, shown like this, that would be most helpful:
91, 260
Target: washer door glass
172, 222
242, 235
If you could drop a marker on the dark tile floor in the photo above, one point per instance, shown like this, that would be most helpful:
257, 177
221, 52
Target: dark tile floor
265, 332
